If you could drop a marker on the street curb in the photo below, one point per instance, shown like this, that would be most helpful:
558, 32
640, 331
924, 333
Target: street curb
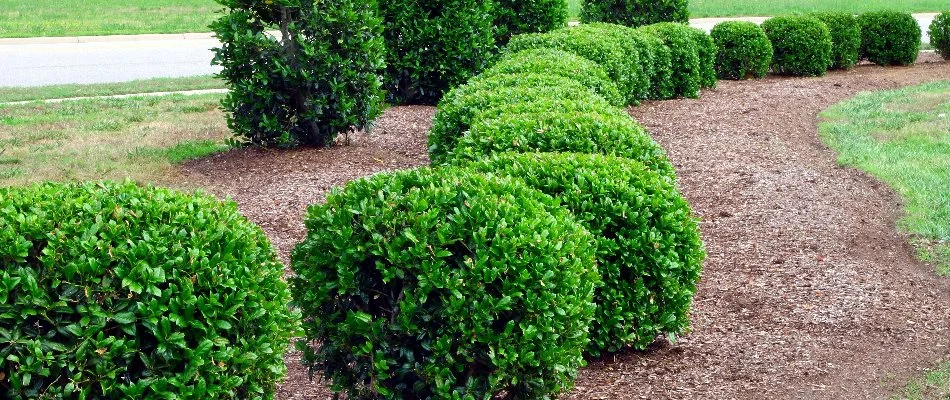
119, 96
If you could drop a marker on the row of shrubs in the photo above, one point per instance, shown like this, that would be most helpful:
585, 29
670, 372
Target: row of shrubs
811, 44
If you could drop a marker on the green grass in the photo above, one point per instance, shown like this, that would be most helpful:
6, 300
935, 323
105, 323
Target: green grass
735, 8
11, 94
31, 18
935, 384
136, 138
902, 137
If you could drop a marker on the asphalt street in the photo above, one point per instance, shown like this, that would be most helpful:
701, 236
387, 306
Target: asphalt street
50, 61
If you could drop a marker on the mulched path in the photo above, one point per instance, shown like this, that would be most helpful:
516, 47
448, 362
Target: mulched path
808, 291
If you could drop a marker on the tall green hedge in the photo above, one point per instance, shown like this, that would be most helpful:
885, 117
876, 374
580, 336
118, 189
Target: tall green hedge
514, 17
444, 283
889, 37
120, 291
635, 13
649, 253
321, 80
434, 46
845, 38
801, 45
743, 50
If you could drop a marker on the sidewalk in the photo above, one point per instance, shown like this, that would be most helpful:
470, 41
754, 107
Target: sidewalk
119, 96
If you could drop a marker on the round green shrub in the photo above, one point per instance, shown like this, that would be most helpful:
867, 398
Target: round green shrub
635, 13
687, 75
608, 51
561, 63
119, 291
845, 38
634, 48
322, 82
660, 57
649, 252
456, 111
940, 34
801, 45
743, 50
444, 283
435, 45
889, 37
514, 17
610, 133
706, 54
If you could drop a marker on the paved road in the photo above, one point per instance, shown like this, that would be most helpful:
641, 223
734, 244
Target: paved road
50, 61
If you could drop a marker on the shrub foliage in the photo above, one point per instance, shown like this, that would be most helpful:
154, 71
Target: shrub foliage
743, 50
706, 54
889, 37
845, 38
801, 45
635, 13
444, 283
434, 46
940, 34
514, 17
120, 291
317, 81
648, 248
687, 74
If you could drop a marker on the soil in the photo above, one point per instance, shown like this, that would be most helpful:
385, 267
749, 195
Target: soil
808, 290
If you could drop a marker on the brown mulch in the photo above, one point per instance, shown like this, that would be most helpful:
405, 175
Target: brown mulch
808, 290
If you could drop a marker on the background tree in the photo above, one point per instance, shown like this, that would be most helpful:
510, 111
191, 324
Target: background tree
635, 13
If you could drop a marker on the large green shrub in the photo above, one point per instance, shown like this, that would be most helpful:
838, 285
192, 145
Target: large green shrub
434, 46
321, 79
845, 38
514, 17
743, 50
649, 251
801, 45
636, 49
687, 74
940, 34
561, 63
661, 58
596, 132
120, 291
889, 37
444, 283
606, 50
706, 54
635, 13
456, 111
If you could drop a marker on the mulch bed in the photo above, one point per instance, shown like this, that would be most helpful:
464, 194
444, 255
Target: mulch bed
808, 290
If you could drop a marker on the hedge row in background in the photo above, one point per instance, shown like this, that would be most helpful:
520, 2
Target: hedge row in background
845, 38
940, 34
889, 37
322, 80
635, 13
514, 17
686, 74
801, 45
743, 50
120, 291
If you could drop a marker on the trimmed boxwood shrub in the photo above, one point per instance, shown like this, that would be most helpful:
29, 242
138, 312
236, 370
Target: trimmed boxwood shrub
706, 53
889, 37
801, 45
687, 75
514, 17
649, 251
561, 63
119, 291
635, 13
635, 50
607, 51
456, 111
444, 283
435, 45
845, 38
743, 50
321, 82
940, 34
661, 80
609, 133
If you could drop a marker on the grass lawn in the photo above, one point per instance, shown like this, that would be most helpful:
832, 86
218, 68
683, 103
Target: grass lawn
30, 18
137, 138
733, 8
11, 94
903, 138
934, 385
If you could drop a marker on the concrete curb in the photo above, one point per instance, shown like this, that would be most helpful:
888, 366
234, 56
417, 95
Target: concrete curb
119, 96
